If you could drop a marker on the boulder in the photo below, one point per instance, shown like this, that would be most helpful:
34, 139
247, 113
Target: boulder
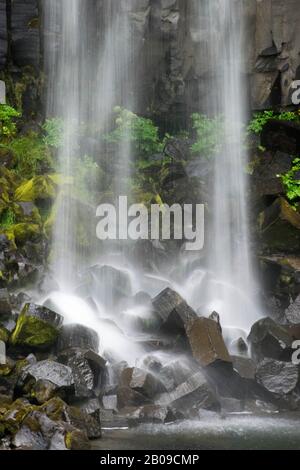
206, 341
78, 417
129, 397
144, 382
190, 396
58, 374
43, 390
277, 377
39, 432
176, 372
267, 339
37, 327
141, 381
172, 311
88, 370
77, 336
279, 226
244, 366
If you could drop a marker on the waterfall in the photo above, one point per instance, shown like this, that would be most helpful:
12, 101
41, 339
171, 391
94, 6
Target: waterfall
92, 62
232, 291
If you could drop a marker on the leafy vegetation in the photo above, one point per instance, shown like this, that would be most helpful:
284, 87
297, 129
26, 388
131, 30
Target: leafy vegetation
53, 132
291, 181
8, 116
209, 133
260, 119
139, 131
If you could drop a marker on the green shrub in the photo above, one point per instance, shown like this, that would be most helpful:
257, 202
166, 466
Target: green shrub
209, 134
260, 119
8, 115
290, 183
139, 131
32, 156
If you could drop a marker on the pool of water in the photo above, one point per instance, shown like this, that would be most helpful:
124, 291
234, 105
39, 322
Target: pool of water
209, 433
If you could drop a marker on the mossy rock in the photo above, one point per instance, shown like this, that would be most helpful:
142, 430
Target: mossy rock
4, 334
20, 233
77, 440
35, 328
39, 187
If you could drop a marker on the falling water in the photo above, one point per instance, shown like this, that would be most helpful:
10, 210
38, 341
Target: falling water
232, 291
91, 66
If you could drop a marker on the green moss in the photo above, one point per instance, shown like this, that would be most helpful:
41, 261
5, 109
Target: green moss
4, 334
33, 332
54, 408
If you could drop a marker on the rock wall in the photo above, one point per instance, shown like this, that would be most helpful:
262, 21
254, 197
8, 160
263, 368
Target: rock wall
173, 70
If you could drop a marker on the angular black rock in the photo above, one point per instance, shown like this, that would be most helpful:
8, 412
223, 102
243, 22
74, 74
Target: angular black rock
88, 370
267, 339
77, 336
191, 395
172, 311
59, 374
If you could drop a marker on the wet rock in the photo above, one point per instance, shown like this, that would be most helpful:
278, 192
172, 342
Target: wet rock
77, 336
58, 374
37, 327
44, 390
207, 342
280, 228
145, 383
292, 313
5, 305
267, 339
277, 377
190, 396
78, 418
244, 366
129, 397
88, 369
176, 372
141, 381
172, 311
